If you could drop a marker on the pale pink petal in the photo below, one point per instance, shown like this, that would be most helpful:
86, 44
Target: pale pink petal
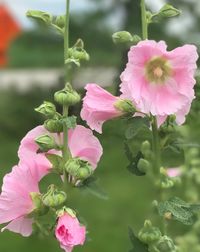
98, 107
173, 172
20, 225
83, 144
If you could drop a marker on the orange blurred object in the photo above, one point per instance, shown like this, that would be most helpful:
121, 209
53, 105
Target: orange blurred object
9, 29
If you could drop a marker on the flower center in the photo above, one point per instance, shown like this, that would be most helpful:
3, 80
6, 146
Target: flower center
157, 70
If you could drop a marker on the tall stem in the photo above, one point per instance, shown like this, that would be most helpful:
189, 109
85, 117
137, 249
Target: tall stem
65, 108
156, 146
144, 20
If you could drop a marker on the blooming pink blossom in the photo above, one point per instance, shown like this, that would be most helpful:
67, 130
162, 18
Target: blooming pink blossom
15, 199
98, 107
69, 232
173, 172
158, 81
81, 142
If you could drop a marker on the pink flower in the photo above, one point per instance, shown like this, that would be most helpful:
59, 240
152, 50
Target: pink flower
15, 199
81, 142
69, 232
160, 82
174, 172
98, 107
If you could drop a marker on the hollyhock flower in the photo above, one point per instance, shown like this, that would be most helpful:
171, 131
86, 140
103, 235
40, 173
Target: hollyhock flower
173, 172
81, 142
100, 106
69, 232
158, 81
15, 200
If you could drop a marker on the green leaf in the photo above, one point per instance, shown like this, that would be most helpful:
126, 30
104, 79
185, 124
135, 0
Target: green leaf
173, 155
138, 246
90, 185
135, 124
70, 122
40, 15
133, 165
179, 209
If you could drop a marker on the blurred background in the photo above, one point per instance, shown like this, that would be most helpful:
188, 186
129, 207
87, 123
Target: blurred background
31, 69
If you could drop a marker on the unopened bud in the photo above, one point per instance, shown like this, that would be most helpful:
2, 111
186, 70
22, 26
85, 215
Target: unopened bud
122, 37
67, 96
143, 165
168, 11
46, 143
79, 169
146, 149
54, 125
148, 233
78, 54
47, 108
60, 21
165, 244
54, 197
125, 106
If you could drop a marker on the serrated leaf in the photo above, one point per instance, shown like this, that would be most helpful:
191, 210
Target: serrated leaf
173, 155
133, 165
135, 124
90, 185
138, 246
180, 210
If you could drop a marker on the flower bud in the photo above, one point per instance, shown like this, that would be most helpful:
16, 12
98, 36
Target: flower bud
143, 165
146, 149
54, 197
46, 108
122, 37
164, 244
78, 168
125, 106
148, 233
60, 21
78, 54
168, 11
67, 96
39, 208
54, 125
46, 143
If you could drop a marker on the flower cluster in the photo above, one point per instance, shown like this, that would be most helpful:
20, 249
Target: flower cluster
21, 200
155, 81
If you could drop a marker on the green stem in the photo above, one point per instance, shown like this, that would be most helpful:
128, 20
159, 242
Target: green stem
156, 146
144, 21
65, 150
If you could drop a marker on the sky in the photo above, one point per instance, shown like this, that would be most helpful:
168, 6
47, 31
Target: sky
19, 7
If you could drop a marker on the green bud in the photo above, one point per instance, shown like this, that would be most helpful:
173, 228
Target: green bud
125, 106
46, 143
67, 96
79, 169
40, 15
54, 197
165, 181
78, 54
39, 207
64, 210
46, 108
122, 37
168, 11
54, 125
146, 149
148, 233
164, 244
143, 165
60, 21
